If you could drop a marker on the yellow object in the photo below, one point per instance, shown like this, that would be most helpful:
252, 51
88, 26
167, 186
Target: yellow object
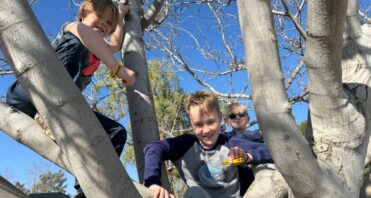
234, 161
116, 71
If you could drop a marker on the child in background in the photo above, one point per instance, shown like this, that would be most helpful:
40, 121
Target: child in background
239, 120
200, 158
80, 46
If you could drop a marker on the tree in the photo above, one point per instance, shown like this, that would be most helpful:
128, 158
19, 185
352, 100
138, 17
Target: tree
51, 182
83, 144
228, 61
339, 107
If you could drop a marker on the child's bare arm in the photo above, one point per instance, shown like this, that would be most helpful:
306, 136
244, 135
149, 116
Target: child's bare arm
96, 45
117, 36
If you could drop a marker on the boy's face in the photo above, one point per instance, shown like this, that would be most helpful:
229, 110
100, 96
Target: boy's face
100, 23
206, 126
238, 119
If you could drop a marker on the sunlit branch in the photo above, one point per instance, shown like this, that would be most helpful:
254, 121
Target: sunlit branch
5, 72
300, 8
363, 15
294, 74
276, 12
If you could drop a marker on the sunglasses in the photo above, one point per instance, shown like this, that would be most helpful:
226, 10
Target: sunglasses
234, 116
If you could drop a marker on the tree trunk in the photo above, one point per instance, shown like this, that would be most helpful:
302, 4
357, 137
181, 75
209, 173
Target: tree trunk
140, 98
338, 111
356, 67
288, 147
61, 104
338, 117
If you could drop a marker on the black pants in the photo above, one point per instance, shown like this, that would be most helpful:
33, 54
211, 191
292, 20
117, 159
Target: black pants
18, 98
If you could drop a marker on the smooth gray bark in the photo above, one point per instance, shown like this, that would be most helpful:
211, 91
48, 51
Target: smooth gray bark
140, 98
61, 104
339, 116
289, 149
338, 111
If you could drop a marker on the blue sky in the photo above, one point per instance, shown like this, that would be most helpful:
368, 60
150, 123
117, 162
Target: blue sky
17, 160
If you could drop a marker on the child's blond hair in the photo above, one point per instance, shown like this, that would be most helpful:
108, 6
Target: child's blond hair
233, 107
99, 6
203, 100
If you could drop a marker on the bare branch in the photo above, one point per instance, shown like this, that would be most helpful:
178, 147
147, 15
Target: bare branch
278, 13
177, 57
363, 15
222, 32
300, 8
294, 74
294, 20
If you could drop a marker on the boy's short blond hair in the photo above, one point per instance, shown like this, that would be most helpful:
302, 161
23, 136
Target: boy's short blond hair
204, 100
99, 6
236, 107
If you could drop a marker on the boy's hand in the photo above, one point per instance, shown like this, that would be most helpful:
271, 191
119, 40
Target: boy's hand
237, 152
127, 76
159, 192
124, 9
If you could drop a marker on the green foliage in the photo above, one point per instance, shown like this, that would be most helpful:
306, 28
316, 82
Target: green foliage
50, 182
168, 97
107, 95
302, 127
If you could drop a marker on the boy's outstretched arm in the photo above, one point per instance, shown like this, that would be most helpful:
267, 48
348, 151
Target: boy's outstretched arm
117, 37
95, 43
159, 151
259, 151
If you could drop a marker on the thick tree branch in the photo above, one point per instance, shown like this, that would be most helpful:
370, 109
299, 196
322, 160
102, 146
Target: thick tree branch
29, 133
289, 148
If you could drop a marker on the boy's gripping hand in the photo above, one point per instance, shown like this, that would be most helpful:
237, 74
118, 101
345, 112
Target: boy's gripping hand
159, 192
235, 153
126, 75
